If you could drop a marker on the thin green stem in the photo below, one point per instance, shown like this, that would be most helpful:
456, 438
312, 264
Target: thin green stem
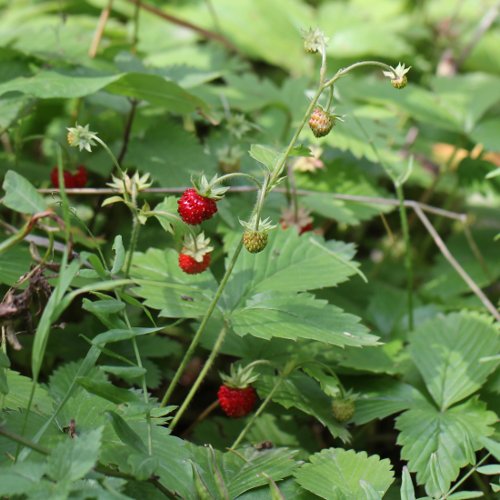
341, 72
466, 476
136, 226
237, 174
330, 98
22, 441
135, 37
408, 252
201, 328
261, 408
206, 368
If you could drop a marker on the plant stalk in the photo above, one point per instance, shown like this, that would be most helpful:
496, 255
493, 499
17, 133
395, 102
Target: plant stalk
408, 253
201, 376
258, 412
201, 328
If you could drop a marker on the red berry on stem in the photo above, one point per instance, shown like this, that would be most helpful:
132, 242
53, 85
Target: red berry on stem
67, 176
194, 208
190, 266
80, 178
236, 402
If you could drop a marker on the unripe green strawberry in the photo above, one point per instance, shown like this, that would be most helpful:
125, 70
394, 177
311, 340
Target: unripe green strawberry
321, 122
343, 409
255, 241
400, 83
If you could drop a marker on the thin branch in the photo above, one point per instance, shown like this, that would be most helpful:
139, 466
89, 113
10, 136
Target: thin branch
101, 25
127, 131
186, 24
455, 264
303, 192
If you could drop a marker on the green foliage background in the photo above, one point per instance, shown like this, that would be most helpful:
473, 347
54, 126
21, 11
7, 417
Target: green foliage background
170, 100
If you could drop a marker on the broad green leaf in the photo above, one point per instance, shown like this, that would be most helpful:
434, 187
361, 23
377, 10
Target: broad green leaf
301, 316
264, 154
166, 213
302, 392
453, 435
21, 477
164, 286
170, 154
447, 350
290, 263
126, 433
74, 458
21, 196
243, 470
143, 466
129, 373
407, 489
384, 397
370, 493
152, 88
19, 394
336, 474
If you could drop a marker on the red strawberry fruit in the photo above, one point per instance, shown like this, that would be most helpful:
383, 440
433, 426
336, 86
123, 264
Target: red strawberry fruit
76, 180
195, 255
236, 395
236, 402
80, 178
199, 203
194, 208
190, 266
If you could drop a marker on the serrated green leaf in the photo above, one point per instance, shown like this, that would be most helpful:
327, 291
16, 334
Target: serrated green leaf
105, 306
19, 394
164, 286
335, 474
266, 155
21, 196
447, 351
369, 491
301, 316
244, 470
21, 477
289, 263
153, 88
74, 458
384, 397
453, 435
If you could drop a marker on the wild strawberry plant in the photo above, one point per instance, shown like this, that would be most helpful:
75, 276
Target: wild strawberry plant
263, 267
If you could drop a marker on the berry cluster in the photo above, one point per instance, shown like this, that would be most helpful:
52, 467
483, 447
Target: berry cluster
71, 180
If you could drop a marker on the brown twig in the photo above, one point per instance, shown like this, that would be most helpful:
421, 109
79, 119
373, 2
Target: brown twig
454, 263
303, 192
101, 25
186, 24
202, 416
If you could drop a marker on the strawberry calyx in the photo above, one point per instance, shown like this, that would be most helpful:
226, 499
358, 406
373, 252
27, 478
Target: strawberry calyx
240, 377
210, 189
196, 246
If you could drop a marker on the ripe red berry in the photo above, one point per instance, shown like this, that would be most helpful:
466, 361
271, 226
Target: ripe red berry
80, 178
190, 266
68, 178
194, 208
236, 402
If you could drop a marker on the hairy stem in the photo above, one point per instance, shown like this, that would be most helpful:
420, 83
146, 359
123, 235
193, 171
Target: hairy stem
408, 253
257, 413
136, 226
201, 376
196, 339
